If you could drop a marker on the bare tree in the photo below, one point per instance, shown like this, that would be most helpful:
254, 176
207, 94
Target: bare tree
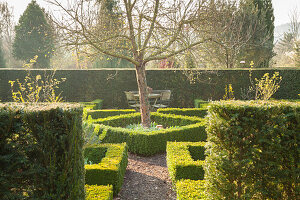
149, 30
7, 30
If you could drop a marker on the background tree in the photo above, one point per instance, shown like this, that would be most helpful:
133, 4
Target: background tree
151, 30
287, 48
2, 60
297, 53
34, 36
5, 22
110, 18
231, 26
259, 48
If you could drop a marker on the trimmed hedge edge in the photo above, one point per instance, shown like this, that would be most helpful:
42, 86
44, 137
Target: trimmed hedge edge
99, 192
149, 143
185, 160
108, 170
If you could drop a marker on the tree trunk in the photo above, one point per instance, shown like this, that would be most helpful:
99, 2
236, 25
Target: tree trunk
143, 95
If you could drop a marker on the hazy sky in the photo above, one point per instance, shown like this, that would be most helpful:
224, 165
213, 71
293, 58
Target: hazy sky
282, 8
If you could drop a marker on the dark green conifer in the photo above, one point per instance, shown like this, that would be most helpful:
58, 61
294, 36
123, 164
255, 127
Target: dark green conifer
260, 47
34, 37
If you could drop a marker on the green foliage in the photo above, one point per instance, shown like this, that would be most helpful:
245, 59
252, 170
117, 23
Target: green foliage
94, 154
192, 112
96, 114
140, 127
253, 150
181, 164
259, 48
90, 132
99, 192
112, 130
41, 151
2, 60
199, 103
96, 104
34, 37
190, 189
111, 168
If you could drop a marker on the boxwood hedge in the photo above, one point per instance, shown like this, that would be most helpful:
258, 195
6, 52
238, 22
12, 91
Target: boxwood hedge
181, 128
96, 114
199, 103
187, 189
253, 150
108, 165
185, 160
96, 104
99, 192
192, 112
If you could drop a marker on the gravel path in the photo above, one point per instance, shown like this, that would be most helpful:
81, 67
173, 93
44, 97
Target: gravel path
146, 178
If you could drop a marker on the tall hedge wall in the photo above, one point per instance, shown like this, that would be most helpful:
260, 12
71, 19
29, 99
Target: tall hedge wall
110, 84
41, 155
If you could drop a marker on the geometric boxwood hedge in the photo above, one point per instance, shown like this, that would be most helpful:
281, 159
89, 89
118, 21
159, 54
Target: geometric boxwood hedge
185, 160
94, 105
99, 192
106, 165
192, 112
96, 114
187, 189
181, 128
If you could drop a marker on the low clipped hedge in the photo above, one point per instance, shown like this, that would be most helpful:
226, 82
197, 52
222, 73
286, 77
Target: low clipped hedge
253, 150
95, 105
183, 128
192, 112
41, 151
187, 189
96, 114
99, 192
110, 169
199, 103
185, 160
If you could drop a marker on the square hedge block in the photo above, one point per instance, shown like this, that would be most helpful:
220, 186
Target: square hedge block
185, 160
99, 192
108, 167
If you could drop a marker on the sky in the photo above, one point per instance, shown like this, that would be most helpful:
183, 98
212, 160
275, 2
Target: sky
282, 8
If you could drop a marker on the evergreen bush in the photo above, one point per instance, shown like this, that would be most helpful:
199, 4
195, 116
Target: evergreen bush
41, 153
253, 150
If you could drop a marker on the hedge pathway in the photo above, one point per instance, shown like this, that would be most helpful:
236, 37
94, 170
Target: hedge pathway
147, 178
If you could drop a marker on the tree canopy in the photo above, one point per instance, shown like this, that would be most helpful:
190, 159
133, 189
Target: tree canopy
34, 36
